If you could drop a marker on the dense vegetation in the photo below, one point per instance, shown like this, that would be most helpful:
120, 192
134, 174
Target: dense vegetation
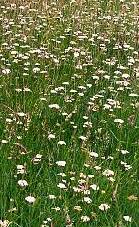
69, 113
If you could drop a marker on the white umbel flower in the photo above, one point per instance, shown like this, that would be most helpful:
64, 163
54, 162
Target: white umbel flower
85, 218
61, 143
94, 187
61, 163
87, 200
51, 136
127, 218
54, 106
23, 183
61, 185
108, 173
94, 154
104, 207
30, 199
120, 121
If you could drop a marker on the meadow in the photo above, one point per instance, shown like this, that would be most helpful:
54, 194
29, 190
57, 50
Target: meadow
69, 113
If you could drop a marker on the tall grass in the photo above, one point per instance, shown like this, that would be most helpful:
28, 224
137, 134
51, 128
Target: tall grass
69, 113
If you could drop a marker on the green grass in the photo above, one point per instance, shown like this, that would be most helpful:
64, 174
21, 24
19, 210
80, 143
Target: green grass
82, 56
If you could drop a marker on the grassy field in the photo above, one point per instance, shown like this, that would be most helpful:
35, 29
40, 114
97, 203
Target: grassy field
69, 113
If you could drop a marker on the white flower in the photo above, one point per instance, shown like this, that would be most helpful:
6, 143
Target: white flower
38, 156
104, 207
76, 54
94, 154
78, 208
4, 141
4, 223
127, 218
119, 121
6, 71
18, 89
97, 167
65, 83
125, 75
87, 200
26, 89
108, 173
61, 185
85, 218
55, 106
94, 187
61, 174
30, 199
14, 52
22, 183
73, 91
51, 136
83, 138
21, 114
76, 189
8, 120
61, 163
43, 99
133, 95
52, 197
55, 208
21, 169
61, 143
124, 151
36, 69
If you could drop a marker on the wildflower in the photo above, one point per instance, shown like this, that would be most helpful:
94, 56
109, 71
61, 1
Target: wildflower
97, 167
55, 106
4, 223
76, 54
85, 218
108, 173
52, 197
104, 207
61, 163
30, 199
37, 158
83, 138
87, 200
22, 183
73, 91
21, 114
8, 120
78, 208
133, 95
132, 198
6, 71
4, 141
12, 209
36, 70
61, 143
43, 99
21, 169
124, 152
26, 89
51, 136
56, 208
94, 187
120, 121
61, 185
127, 218
76, 189
94, 154
61, 174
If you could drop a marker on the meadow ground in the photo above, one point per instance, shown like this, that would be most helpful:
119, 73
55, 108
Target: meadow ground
69, 113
